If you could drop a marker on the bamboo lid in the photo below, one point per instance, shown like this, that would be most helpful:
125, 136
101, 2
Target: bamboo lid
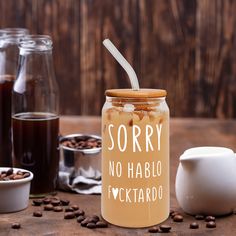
142, 93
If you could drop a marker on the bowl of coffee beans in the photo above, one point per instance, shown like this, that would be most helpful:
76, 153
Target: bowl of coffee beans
80, 155
14, 189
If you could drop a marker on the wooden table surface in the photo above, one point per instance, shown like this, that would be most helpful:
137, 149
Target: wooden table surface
184, 133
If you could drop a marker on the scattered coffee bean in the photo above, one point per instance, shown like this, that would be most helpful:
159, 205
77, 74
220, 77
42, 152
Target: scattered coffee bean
174, 214
91, 225
199, 217
69, 209
165, 228
16, 226
10, 175
211, 224
65, 202
210, 218
153, 229
86, 221
37, 202
178, 218
171, 212
79, 213
80, 218
69, 215
46, 201
48, 207
101, 224
57, 209
194, 225
75, 207
37, 214
55, 202
95, 218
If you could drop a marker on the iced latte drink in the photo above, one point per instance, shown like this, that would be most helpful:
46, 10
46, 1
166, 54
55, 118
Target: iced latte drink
135, 157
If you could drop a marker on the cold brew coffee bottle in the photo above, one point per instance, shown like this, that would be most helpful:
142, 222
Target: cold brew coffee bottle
9, 53
35, 117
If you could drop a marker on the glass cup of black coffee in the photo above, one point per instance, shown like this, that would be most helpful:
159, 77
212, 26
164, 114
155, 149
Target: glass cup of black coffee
9, 53
35, 118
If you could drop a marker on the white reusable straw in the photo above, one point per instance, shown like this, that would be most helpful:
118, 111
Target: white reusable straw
123, 62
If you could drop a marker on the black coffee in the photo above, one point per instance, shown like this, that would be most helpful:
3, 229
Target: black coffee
6, 84
35, 147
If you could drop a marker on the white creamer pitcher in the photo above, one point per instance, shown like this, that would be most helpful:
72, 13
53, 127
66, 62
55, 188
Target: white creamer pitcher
206, 181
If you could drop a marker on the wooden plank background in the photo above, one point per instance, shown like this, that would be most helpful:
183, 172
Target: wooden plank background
187, 47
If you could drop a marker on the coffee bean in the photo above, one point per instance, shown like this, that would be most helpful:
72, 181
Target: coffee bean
174, 214
95, 217
48, 207
69, 209
69, 215
210, 218
16, 226
46, 200
3, 176
55, 202
199, 217
26, 175
101, 224
178, 218
211, 224
165, 228
86, 221
37, 202
171, 212
11, 176
79, 212
15, 177
9, 172
153, 230
57, 209
65, 202
91, 225
37, 214
80, 219
75, 207
194, 225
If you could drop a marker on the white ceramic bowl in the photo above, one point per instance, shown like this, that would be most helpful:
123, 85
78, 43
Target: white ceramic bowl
14, 194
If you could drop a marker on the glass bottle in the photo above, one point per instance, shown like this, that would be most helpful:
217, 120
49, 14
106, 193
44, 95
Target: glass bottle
135, 157
35, 116
9, 53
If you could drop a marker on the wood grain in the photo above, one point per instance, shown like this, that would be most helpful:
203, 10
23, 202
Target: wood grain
184, 46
